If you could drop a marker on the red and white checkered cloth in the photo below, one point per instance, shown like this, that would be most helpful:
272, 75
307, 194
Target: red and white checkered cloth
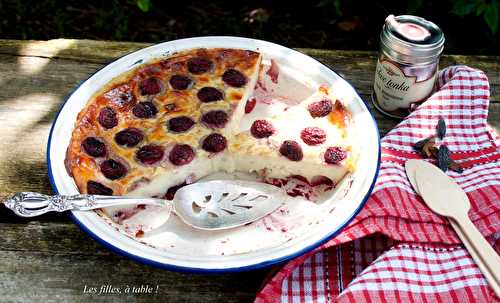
402, 251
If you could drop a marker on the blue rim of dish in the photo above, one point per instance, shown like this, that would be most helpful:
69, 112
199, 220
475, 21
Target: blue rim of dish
198, 270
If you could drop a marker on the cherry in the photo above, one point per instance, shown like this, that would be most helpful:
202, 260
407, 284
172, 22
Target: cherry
107, 118
291, 150
320, 108
313, 135
112, 169
96, 188
262, 129
335, 155
234, 78
214, 143
181, 154
150, 154
129, 137
94, 147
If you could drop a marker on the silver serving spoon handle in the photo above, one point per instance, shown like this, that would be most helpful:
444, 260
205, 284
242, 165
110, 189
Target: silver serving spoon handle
30, 204
209, 205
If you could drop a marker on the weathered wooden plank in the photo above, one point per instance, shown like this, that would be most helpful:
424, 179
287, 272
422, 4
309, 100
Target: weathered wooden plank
48, 237
7, 216
52, 277
355, 66
57, 260
77, 50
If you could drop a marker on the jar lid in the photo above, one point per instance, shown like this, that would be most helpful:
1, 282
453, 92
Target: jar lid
411, 39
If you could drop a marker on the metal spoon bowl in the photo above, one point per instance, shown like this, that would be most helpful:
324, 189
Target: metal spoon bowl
208, 205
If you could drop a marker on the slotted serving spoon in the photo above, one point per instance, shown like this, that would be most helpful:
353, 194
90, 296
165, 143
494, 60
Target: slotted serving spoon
208, 205
446, 198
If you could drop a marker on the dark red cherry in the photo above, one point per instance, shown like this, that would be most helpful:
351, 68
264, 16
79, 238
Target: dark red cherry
199, 65
180, 124
181, 154
180, 82
291, 150
94, 147
108, 118
150, 154
320, 108
129, 137
215, 119
150, 86
234, 78
96, 188
144, 110
313, 135
112, 169
335, 155
214, 143
209, 94
262, 129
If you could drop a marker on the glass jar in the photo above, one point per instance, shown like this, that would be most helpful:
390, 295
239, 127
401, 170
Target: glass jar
407, 65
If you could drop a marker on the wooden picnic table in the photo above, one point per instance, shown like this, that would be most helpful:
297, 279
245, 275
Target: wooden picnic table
48, 258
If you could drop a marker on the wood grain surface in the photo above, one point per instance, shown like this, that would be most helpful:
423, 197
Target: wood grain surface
48, 259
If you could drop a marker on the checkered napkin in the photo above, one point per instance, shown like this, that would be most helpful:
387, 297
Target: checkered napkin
396, 249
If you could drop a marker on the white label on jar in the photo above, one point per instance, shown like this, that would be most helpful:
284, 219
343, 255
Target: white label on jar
394, 89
